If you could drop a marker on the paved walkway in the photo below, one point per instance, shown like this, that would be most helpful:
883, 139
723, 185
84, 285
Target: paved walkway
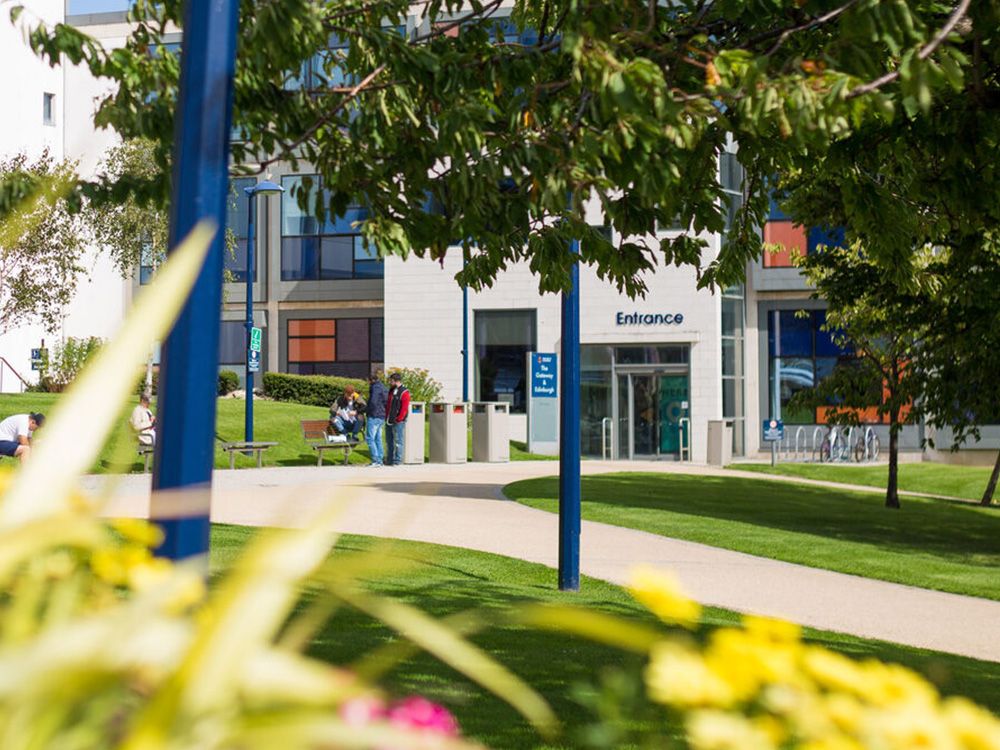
463, 506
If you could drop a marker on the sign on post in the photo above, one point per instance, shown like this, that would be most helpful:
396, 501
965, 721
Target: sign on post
253, 361
543, 403
255, 337
774, 430
37, 356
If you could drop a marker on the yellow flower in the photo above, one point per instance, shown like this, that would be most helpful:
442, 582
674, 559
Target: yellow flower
975, 727
890, 683
678, 676
832, 671
748, 663
114, 564
717, 730
138, 531
770, 629
189, 590
150, 573
662, 595
910, 727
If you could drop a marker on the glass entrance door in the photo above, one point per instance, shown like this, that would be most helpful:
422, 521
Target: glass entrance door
651, 407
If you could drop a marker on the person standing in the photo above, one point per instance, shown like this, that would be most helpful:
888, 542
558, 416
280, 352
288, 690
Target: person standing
143, 422
375, 413
397, 410
15, 435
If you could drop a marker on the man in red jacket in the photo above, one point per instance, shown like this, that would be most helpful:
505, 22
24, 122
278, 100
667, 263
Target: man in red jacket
396, 412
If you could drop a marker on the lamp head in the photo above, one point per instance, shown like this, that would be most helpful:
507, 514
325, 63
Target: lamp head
264, 188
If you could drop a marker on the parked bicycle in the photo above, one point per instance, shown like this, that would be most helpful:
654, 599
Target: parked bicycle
835, 447
868, 447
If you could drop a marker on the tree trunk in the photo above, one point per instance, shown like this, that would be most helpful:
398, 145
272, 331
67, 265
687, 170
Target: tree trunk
892, 488
991, 485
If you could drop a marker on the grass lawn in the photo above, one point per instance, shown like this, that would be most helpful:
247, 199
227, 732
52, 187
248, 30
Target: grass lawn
934, 479
444, 580
273, 421
935, 544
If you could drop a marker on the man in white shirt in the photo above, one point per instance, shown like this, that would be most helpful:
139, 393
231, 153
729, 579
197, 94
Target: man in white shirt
15, 435
143, 421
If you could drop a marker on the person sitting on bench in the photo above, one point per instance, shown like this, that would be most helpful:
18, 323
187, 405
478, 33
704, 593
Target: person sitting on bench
345, 417
143, 422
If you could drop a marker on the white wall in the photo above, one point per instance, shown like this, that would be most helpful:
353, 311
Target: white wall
423, 324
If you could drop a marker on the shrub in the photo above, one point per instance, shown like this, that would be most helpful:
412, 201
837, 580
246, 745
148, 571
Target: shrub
140, 384
419, 383
229, 381
315, 390
63, 364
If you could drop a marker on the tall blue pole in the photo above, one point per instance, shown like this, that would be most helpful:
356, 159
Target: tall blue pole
569, 434
185, 448
465, 342
251, 252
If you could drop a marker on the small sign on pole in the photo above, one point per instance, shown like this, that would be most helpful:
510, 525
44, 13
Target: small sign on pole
253, 360
37, 356
255, 338
774, 430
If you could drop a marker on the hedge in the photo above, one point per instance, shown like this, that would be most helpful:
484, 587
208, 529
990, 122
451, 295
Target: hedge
316, 390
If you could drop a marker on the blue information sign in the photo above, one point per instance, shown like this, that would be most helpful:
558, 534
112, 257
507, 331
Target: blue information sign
774, 430
544, 375
253, 361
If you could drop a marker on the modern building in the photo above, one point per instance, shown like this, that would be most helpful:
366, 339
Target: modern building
655, 371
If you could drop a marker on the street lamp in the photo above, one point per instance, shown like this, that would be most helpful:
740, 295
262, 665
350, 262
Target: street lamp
253, 355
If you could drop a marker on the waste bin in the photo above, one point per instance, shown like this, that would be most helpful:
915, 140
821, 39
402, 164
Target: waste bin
720, 442
413, 433
449, 433
491, 432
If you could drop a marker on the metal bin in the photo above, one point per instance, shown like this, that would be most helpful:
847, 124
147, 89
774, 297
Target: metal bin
413, 431
491, 432
449, 433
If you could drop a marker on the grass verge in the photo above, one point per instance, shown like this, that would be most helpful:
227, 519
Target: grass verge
935, 544
942, 480
445, 580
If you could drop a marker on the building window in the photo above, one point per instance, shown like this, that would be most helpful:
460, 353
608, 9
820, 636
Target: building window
503, 338
237, 214
48, 109
232, 348
147, 261
348, 347
800, 355
332, 249
731, 176
733, 365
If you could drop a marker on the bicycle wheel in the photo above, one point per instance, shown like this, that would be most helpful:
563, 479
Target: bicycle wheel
825, 451
874, 449
859, 451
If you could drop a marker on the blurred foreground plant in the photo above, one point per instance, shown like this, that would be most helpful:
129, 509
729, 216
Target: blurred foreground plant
103, 645
759, 687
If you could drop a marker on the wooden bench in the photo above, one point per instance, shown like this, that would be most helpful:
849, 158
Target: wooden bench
314, 433
257, 447
146, 451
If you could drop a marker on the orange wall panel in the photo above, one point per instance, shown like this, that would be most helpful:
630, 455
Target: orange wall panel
311, 350
790, 236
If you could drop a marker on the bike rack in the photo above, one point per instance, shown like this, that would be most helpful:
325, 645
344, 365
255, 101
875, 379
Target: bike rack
817, 431
607, 437
684, 448
849, 445
800, 431
869, 432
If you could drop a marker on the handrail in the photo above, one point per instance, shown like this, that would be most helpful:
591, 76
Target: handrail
4, 362
684, 448
607, 436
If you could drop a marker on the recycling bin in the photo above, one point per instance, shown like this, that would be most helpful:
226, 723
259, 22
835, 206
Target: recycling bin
720, 442
413, 433
491, 432
449, 433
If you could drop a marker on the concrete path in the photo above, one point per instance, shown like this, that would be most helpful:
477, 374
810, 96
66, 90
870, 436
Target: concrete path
463, 506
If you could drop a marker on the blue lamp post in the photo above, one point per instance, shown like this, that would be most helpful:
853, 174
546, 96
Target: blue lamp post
261, 188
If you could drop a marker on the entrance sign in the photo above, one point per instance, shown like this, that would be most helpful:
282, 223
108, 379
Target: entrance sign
774, 430
544, 375
543, 403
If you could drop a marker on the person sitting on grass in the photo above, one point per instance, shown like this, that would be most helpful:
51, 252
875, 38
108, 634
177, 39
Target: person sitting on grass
15, 435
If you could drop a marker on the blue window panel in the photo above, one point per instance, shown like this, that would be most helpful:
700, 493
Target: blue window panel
775, 213
336, 258
825, 340
299, 258
363, 250
346, 222
376, 337
296, 220
827, 236
796, 335
369, 269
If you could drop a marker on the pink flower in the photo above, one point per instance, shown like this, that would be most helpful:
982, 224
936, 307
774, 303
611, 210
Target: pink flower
416, 712
358, 712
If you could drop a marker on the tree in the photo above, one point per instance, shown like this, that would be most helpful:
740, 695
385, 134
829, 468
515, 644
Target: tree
41, 244
960, 355
873, 314
507, 134
132, 231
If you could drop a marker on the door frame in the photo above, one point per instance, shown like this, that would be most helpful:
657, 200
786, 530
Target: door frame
628, 371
